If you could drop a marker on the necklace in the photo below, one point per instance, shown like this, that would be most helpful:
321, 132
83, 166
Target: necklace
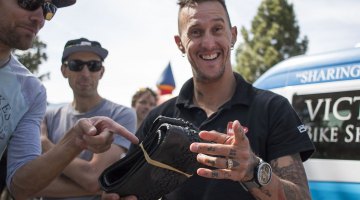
4, 62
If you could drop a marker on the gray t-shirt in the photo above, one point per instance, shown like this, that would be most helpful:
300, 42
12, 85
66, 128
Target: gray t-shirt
61, 119
22, 108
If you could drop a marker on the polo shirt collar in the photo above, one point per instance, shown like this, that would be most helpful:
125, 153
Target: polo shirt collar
243, 93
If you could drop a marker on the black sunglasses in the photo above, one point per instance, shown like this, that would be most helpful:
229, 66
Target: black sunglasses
49, 9
78, 65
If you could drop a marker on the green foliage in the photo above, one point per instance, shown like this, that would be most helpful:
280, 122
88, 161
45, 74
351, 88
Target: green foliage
33, 57
274, 36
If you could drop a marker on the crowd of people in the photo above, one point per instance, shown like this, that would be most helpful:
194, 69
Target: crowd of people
253, 149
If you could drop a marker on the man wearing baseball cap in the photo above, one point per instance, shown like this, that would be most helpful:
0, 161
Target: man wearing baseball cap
23, 105
82, 64
83, 45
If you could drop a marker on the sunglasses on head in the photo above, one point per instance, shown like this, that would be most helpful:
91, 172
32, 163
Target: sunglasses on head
78, 65
49, 9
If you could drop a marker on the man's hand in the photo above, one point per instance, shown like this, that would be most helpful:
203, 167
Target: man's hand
230, 153
96, 133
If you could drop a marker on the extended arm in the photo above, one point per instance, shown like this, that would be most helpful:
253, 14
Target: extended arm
83, 172
37, 174
86, 173
94, 134
68, 188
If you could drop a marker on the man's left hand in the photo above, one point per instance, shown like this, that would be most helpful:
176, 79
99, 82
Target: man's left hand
230, 153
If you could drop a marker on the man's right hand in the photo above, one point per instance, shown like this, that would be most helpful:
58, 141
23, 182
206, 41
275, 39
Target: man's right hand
96, 133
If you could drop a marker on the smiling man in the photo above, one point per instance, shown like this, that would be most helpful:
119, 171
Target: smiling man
256, 149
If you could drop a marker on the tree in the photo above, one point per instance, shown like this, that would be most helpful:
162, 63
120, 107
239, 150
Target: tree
34, 57
274, 36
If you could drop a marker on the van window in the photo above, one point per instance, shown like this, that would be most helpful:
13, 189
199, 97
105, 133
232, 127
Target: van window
333, 123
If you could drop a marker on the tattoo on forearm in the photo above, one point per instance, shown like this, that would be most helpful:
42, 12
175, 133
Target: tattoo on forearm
294, 173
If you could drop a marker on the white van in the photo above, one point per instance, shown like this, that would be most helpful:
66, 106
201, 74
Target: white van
324, 89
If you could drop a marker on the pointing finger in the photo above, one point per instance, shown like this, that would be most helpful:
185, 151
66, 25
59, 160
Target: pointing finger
102, 123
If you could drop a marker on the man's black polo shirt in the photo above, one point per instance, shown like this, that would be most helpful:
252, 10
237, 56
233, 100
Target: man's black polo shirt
274, 130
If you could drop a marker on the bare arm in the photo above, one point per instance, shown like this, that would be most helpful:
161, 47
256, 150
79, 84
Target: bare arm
92, 134
63, 187
86, 173
37, 174
288, 181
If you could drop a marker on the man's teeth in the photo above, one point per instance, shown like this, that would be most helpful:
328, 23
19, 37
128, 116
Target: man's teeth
209, 57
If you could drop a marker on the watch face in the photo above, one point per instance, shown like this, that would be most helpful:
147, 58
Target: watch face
264, 173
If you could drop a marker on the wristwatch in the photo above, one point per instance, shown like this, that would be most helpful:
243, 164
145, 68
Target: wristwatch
262, 176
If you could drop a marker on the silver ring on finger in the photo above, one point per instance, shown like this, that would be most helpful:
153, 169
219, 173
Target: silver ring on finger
229, 163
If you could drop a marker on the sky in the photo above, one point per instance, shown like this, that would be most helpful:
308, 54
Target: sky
139, 36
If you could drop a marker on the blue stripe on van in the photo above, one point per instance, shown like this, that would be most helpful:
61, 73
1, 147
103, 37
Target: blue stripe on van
334, 190
300, 70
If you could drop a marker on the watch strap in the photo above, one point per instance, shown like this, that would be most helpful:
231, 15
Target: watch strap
253, 183
249, 184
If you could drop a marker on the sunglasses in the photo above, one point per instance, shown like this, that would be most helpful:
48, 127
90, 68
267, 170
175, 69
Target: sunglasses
49, 9
78, 65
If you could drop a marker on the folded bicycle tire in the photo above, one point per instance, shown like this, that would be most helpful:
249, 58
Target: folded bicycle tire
161, 163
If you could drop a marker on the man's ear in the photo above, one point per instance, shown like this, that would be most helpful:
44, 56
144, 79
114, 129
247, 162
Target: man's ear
63, 70
233, 35
179, 43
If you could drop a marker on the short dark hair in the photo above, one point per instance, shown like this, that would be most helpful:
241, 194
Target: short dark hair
190, 3
140, 92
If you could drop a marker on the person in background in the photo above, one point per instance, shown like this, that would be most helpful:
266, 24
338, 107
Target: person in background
143, 101
82, 64
256, 144
23, 105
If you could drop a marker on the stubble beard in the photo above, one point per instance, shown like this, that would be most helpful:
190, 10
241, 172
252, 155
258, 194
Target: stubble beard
203, 78
9, 37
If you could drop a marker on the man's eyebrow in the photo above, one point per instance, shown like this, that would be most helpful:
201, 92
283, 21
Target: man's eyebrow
219, 19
